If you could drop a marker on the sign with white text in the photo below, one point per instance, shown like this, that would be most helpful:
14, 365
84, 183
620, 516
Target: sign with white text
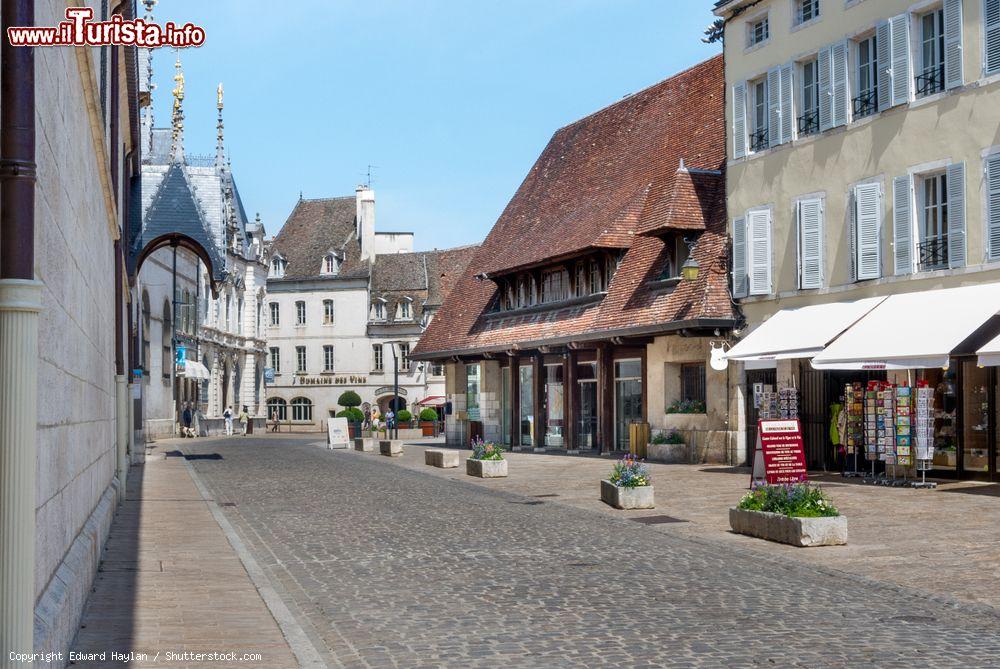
780, 456
338, 434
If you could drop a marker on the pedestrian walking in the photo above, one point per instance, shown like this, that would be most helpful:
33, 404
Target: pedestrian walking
228, 415
186, 417
244, 420
390, 419
274, 421
368, 419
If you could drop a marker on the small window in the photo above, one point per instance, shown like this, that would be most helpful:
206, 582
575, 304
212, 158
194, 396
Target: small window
693, 384
300, 313
933, 197
277, 267
581, 287
930, 79
328, 358
275, 314
377, 361
437, 369
300, 359
554, 285
330, 264
379, 307
809, 119
806, 10
302, 409
759, 31
596, 278
404, 357
275, 359
866, 102
404, 310
327, 312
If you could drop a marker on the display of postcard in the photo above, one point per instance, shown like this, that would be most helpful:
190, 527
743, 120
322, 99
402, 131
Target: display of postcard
903, 442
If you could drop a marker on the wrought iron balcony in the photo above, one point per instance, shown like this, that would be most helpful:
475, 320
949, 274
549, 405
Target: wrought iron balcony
809, 123
933, 254
930, 82
758, 140
866, 104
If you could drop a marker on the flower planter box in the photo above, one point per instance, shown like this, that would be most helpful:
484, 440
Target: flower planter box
435, 457
364, 445
627, 498
827, 531
486, 469
390, 448
427, 428
673, 454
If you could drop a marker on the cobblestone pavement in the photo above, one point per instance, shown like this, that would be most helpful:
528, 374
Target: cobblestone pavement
386, 566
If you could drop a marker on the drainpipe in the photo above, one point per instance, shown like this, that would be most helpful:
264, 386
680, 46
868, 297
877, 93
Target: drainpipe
121, 382
20, 303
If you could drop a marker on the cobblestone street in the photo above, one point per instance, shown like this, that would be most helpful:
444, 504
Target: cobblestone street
384, 566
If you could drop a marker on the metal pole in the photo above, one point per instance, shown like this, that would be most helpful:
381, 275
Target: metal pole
173, 335
395, 392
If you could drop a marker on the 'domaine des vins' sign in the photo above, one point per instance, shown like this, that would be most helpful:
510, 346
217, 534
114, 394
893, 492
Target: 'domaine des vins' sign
329, 380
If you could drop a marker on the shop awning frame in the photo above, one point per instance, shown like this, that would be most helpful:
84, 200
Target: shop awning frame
195, 370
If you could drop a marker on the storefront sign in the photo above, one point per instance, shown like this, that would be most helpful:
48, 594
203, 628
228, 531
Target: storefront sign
780, 456
328, 380
338, 435
389, 390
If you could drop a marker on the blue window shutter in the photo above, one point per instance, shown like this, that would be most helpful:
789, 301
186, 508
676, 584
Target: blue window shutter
953, 76
991, 9
902, 225
956, 215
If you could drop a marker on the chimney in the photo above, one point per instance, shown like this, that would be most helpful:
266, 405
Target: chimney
366, 221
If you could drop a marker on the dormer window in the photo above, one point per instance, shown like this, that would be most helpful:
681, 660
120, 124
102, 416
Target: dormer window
378, 309
278, 265
596, 278
403, 310
555, 285
581, 287
331, 264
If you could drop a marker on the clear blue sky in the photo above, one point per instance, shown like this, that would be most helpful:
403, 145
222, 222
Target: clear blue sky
452, 100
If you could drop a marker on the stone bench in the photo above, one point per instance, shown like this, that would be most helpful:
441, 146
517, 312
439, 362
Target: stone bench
390, 447
436, 457
364, 445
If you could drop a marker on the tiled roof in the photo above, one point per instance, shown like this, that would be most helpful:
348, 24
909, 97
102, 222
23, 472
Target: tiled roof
425, 277
688, 203
599, 182
314, 229
444, 269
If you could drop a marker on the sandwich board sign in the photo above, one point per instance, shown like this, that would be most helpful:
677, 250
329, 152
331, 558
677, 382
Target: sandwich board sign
780, 456
337, 433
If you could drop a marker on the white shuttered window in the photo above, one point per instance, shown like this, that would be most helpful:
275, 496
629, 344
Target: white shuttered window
740, 119
993, 206
991, 10
902, 225
867, 221
953, 76
740, 285
810, 215
759, 251
956, 215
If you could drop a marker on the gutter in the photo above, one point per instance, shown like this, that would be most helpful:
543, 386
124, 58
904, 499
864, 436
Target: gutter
673, 327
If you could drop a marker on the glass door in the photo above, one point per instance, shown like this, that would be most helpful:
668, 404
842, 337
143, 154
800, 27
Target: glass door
628, 399
586, 428
526, 423
554, 405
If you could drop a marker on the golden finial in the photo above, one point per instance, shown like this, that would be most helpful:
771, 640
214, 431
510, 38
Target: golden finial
220, 96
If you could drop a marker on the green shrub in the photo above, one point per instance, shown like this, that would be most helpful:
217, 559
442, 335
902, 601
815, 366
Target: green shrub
428, 414
404, 416
672, 437
349, 399
799, 500
686, 406
353, 414
486, 450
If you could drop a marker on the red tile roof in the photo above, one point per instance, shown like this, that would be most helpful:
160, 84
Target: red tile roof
604, 181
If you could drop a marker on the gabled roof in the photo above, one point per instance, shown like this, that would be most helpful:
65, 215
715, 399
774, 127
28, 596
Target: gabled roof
423, 277
173, 210
601, 182
312, 229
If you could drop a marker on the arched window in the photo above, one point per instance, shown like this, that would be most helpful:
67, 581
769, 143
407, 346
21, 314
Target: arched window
145, 335
239, 316
302, 409
330, 264
277, 407
166, 337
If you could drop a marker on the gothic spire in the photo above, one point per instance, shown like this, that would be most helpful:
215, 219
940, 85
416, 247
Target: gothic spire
177, 120
148, 86
220, 145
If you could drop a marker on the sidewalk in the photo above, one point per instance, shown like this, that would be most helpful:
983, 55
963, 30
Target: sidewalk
944, 542
171, 581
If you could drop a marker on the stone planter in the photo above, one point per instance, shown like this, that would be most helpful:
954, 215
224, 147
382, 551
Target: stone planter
627, 498
830, 531
364, 445
486, 469
435, 457
390, 448
673, 454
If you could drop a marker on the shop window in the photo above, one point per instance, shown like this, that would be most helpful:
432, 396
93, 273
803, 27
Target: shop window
758, 31
554, 405
277, 407
758, 115
327, 312
808, 121
930, 79
300, 313
472, 387
865, 103
300, 359
275, 314
526, 421
275, 354
302, 409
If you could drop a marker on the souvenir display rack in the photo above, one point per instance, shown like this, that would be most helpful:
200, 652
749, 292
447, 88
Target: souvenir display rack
923, 433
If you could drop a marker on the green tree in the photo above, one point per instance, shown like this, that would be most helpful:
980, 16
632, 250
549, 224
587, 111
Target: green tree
349, 398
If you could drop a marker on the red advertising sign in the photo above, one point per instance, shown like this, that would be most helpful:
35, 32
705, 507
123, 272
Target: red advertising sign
780, 456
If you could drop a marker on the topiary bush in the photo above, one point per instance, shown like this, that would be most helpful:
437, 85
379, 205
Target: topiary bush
428, 414
349, 399
404, 416
353, 414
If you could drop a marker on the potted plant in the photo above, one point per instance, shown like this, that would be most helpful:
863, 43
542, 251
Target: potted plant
403, 418
428, 421
629, 486
792, 513
686, 406
351, 400
668, 446
487, 460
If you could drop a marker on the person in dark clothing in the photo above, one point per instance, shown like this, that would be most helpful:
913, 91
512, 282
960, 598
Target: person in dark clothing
186, 417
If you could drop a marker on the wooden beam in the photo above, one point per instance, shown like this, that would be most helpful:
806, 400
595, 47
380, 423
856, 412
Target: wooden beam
539, 401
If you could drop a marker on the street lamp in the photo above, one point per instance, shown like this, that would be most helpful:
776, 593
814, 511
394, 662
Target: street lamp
395, 385
690, 268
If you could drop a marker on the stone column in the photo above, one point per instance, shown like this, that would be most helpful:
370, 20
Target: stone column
121, 429
20, 303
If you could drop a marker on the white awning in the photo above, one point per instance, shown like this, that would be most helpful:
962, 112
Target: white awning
802, 332
195, 370
913, 330
989, 354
